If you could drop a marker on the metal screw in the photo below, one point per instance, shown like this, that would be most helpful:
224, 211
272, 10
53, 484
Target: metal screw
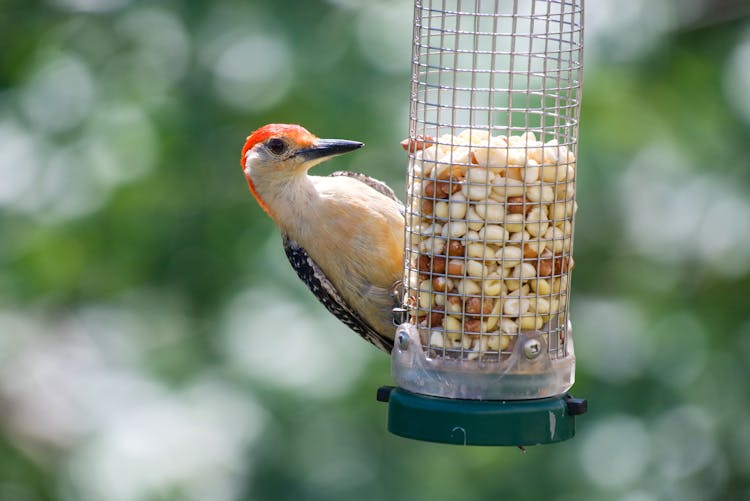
532, 348
403, 341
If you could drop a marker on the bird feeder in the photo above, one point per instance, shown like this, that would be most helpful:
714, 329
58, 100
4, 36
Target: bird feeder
484, 355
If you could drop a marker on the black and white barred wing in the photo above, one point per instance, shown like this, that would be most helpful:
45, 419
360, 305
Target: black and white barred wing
311, 274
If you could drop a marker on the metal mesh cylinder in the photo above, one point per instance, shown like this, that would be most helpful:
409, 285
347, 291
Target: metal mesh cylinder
491, 198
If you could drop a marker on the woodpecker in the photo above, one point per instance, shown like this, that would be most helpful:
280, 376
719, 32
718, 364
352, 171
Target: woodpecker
343, 234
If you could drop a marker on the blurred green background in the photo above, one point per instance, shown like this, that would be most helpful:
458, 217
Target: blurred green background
155, 345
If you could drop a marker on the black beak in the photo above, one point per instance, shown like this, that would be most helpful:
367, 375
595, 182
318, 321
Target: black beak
329, 148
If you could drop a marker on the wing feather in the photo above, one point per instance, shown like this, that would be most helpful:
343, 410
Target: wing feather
310, 273
373, 183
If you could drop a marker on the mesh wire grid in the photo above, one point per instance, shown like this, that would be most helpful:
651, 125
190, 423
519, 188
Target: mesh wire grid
492, 143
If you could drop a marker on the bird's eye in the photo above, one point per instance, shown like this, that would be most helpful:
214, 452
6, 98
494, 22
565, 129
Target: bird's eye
277, 146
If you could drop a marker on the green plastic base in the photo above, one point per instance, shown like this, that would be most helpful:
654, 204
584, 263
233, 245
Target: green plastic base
478, 422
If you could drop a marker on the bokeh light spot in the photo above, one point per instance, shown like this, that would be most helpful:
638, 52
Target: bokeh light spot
683, 441
615, 451
59, 94
384, 34
680, 348
125, 141
681, 214
273, 339
737, 78
612, 339
254, 72
91, 5
19, 162
161, 48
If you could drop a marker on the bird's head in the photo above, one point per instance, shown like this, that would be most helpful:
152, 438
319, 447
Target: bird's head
278, 152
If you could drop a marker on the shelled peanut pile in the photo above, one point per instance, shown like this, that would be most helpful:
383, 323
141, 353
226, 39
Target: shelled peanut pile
490, 223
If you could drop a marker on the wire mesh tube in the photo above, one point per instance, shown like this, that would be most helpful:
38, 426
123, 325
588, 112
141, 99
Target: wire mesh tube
493, 133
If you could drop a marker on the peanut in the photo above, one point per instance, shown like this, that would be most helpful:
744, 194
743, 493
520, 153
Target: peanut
476, 191
560, 284
536, 221
516, 205
441, 210
432, 245
454, 229
451, 325
491, 342
430, 189
425, 300
509, 256
431, 229
555, 239
449, 186
493, 233
471, 236
438, 264
467, 287
494, 316
437, 339
417, 143
494, 156
531, 172
545, 265
562, 264
566, 227
533, 248
453, 305
523, 272
539, 304
490, 211
528, 138
515, 306
508, 326
435, 317
474, 221
518, 237
441, 284
540, 193
570, 172
475, 269
455, 267
456, 248
514, 222
493, 221
562, 210
554, 305
458, 206
473, 136
424, 262
476, 306
552, 152
479, 175
552, 173
477, 250
531, 322
565, 192
516, 156
504, 187
504, 342
493, 287
472, 325
540, 286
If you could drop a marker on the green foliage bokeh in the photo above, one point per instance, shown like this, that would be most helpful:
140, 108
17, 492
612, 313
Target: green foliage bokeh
154, 344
